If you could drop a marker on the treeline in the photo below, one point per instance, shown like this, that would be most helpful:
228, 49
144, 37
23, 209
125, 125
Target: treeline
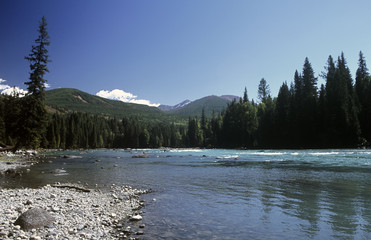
336, 115
81, 130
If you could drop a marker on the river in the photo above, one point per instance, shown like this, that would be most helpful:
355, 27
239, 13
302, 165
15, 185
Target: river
230, 194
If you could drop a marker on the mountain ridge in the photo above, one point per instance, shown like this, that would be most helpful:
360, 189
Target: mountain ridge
170, 108
70, 99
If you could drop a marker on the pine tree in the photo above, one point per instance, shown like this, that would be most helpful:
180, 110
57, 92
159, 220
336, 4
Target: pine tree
309, 106
2, 122
263, 90
309, 82
282, 119
362, 80
245, 97
341, 114
34, 114
363, 98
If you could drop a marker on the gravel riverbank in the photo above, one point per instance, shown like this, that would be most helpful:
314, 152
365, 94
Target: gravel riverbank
9, 161
87, 214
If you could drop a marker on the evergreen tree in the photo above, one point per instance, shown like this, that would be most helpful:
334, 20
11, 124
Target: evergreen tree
12, 119
263, 90
362, 80
298, 85
282, 116
266, 126
34, 114
308, 111
362, 87
2, 122
194, 133
349, 110
341, 115
245, 97
322, 116
309, 83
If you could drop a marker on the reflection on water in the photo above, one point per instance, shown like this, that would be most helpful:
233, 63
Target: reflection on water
226, 194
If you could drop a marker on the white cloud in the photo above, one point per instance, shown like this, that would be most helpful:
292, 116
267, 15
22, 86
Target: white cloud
117, 94
14, 90
8, 90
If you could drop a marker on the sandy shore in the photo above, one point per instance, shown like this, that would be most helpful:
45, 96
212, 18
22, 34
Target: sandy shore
77, 214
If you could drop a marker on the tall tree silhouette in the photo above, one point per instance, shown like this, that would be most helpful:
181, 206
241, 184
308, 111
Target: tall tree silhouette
34, 114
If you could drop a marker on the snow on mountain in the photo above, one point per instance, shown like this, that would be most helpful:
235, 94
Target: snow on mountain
177, 106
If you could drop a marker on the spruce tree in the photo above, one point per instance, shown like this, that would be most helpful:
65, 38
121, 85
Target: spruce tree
363, 98
245, 97
282, 116
263, 90
2, 122
362, 80
341, 113
34, 114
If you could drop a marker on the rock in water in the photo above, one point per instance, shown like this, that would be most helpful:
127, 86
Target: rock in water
136, 218
34, 218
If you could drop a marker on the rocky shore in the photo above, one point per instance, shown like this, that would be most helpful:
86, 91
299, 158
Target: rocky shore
9, 161
75, 212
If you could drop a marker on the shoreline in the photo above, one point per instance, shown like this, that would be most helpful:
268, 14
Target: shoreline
11, 162
79, 212
90, 214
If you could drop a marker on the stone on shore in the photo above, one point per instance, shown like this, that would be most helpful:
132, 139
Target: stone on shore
34, 218
136, 218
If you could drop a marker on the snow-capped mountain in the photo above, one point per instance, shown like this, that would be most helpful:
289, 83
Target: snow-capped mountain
177, 106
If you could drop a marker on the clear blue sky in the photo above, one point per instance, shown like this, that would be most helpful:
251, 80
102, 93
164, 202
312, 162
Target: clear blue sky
167, 51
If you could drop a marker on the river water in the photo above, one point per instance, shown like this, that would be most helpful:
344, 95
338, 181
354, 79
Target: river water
230, 194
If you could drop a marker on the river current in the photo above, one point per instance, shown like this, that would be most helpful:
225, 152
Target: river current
229, 194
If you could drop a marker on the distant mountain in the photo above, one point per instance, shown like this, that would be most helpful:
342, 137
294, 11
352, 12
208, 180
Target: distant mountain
209, 104
68, 100
170, 108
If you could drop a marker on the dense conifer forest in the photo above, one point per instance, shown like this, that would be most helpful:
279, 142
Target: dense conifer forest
336, 114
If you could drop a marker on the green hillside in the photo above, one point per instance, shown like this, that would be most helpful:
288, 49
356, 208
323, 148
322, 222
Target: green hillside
68, 99
210, 104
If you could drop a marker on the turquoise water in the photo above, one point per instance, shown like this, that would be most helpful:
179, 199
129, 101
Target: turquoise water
230, 194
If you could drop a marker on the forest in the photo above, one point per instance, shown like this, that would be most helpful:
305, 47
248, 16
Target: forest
335, 115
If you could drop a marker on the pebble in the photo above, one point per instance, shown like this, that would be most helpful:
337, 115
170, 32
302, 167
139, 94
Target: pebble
35, 238
136, 218
55, 209
139, 233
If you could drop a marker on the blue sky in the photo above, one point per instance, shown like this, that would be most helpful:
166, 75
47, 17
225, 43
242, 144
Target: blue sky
167, 51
